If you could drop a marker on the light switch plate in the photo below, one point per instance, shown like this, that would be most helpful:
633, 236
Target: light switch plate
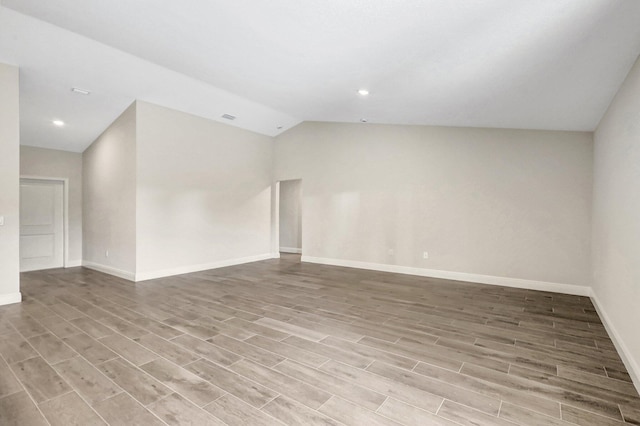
1, 220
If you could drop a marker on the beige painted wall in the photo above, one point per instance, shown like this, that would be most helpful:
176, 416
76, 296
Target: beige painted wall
616, 217
506, 203
290, 214
203, 192
9, 184
109, 196
52, 163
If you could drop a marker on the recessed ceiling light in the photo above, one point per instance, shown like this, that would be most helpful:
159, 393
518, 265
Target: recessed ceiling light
80, 91
363, 120
363, 92
58, 123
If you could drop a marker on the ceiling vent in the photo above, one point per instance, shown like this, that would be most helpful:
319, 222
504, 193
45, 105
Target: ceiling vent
229, 116
80, 91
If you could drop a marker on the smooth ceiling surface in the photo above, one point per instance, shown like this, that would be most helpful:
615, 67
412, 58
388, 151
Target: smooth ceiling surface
53, 60
536, 64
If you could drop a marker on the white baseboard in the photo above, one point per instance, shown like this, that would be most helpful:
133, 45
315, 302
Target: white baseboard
73, 263
109, 270
7, 299
143, 276
457, 276
291, 250
275, 255
627, 358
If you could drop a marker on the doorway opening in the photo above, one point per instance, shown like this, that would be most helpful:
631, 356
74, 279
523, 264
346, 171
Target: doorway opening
290, 217
43, 223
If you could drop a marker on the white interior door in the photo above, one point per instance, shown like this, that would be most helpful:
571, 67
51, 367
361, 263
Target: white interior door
41, 224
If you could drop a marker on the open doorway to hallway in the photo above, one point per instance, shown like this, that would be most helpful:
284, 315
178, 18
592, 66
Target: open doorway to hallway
290, 220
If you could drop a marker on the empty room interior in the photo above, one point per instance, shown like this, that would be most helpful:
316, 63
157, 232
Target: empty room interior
341, 212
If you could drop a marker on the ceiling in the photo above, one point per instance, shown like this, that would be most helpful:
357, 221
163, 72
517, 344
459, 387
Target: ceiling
534, 64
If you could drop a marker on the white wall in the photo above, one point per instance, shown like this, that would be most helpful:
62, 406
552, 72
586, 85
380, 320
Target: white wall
290, 225
52, 163
109, 198
9, 184
203, 193
505, 203
616, 219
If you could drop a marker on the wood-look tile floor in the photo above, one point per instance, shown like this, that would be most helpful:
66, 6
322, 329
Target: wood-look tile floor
280, 342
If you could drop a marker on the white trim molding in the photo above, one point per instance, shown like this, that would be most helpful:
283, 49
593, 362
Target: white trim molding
291, 250
457, 276
627, 357
8, 299
143, 276
131, 276
73, 264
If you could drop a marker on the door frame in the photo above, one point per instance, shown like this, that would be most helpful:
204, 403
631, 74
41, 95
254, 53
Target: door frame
275, 215
275, 220
65, 211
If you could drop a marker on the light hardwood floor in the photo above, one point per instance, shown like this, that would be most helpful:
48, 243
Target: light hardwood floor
278, 342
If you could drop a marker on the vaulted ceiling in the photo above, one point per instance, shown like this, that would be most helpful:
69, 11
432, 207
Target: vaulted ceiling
535, 64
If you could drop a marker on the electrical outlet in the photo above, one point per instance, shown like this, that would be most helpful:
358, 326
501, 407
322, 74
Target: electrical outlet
425, 255
390, 252
1, 220
106, 253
